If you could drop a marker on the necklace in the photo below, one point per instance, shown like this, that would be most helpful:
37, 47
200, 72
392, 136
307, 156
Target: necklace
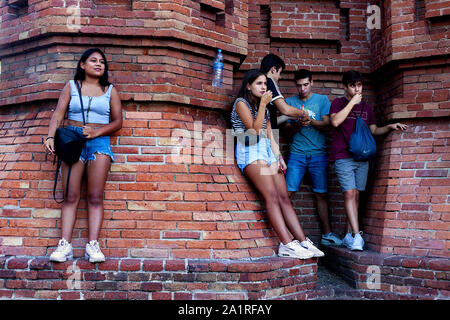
88, 109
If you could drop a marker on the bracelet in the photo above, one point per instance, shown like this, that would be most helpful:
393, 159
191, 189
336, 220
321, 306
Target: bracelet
279, 156
49, 138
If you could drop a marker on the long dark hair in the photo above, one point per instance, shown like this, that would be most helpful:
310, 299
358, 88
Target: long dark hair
80, 74
249, 78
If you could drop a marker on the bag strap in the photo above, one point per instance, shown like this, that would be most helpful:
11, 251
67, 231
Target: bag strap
56, 178
354, 127
58, 166
81, 100
362, 109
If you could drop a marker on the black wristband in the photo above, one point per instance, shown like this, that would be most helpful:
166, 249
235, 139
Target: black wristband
49, 138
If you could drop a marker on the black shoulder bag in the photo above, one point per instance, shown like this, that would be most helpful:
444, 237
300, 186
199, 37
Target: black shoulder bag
68, 146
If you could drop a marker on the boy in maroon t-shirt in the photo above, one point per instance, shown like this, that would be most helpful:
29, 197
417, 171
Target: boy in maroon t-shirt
352, 175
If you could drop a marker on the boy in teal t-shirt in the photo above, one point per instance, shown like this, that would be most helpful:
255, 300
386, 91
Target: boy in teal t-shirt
309, 139
308, 148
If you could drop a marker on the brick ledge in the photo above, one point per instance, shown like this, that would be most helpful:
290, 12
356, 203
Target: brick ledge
399, 277
145, 279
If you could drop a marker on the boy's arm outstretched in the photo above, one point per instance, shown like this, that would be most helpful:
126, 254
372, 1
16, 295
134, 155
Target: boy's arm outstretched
288, 110
378, 131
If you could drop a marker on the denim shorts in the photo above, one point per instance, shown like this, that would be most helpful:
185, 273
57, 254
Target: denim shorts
247, 152
317, 167
352, 174
99, 145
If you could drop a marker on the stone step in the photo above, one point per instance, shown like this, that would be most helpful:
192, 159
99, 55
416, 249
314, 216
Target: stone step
157, 279
330, 286
386, 276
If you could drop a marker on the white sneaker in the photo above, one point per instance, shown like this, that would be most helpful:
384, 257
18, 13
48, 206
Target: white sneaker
63, 253
348, 240
309, 245
293, 249
358, 242
330, 239
93, 252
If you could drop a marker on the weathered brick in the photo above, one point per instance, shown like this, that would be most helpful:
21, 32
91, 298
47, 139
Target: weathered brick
164, 83
17, 263
441, 265
130, 265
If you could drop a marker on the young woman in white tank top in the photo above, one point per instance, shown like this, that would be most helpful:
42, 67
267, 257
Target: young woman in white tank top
103, 114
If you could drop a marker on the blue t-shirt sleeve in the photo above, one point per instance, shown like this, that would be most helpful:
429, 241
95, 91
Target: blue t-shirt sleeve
291, 101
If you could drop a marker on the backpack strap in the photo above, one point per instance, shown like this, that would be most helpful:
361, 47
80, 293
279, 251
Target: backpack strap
362, 109
360, 116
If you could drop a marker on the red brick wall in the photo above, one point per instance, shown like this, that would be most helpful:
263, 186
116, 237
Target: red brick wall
157, 279
140, 73
391, 276
408, 205
293, 20
155, 205
334, 39
413, 179
164, 43
437, 8
408, 34
161, 57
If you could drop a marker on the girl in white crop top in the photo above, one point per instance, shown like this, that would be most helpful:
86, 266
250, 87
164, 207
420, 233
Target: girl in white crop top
103, 114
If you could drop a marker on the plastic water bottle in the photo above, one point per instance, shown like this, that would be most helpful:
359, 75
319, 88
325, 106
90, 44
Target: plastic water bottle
218, 70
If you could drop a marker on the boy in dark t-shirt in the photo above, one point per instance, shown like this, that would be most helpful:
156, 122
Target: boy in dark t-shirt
352, 175
341, 134
272, 65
